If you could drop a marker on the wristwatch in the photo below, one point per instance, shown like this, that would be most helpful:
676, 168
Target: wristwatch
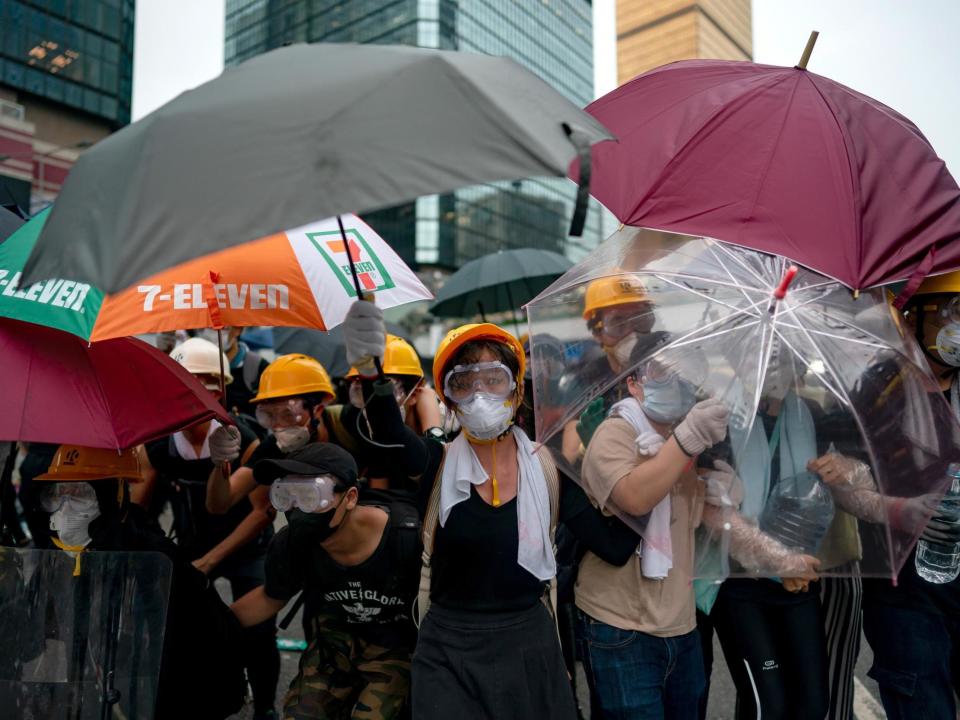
436, 433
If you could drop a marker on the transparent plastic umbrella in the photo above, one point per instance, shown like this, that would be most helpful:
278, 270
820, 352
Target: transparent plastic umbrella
807, 370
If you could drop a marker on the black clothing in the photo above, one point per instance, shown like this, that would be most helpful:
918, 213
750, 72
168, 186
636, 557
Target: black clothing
371, 600
200, 673
197, 530
490, 666
775, 648
36, 462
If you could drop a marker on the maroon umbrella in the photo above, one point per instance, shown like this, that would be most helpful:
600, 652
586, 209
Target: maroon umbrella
56, 388
782, 160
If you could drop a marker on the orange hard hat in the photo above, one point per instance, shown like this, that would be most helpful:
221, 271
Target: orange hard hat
610, 291
460, 336
399, 358
293, 375
79, 463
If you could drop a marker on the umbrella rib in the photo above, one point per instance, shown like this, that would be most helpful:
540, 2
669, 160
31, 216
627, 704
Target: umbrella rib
823, 333
719, 245
810, 367
688, 339
708, 298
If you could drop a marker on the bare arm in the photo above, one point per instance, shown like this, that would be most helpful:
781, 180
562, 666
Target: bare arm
638, 492
255, 607
261, 515
224, 493
428, 408
141, 493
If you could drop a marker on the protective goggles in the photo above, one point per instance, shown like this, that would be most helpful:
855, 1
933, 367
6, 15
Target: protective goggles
491, 378
309, 494
54, 496
286, 412
616, 323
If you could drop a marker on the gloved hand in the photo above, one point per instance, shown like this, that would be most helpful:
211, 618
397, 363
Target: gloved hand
704, 426
649, 443
724, 487
292, 438
365, 336
590, 420
224, 444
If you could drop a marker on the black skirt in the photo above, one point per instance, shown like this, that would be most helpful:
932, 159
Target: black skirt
492, 666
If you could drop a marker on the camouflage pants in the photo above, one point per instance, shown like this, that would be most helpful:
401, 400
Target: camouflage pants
342, 676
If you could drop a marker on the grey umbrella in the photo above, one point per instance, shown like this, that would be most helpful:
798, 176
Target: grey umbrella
504, 280
9, 221
297, 134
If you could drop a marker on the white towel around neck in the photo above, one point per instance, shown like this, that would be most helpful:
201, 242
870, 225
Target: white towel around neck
186, 449
656, 550
462, 468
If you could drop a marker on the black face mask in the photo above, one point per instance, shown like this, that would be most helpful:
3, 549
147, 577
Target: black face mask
314, 526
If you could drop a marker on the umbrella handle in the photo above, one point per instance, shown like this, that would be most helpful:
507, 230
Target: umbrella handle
781, 292
356, 284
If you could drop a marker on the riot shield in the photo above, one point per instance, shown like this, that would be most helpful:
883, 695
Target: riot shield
81, 641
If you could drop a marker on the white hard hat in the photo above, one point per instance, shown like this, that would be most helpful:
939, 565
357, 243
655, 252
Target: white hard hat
201, 357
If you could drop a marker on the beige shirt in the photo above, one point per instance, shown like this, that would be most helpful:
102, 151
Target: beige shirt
621, 596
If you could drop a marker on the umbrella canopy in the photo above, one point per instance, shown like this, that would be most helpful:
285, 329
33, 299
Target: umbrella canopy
119, 393
814, 372
504, 280
298, 133
326, 347
9, 222
297, 278
781, 160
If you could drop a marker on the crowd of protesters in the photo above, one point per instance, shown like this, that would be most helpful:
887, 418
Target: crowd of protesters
450, 569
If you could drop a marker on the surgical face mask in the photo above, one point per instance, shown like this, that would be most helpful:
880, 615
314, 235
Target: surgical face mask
622, 349
291, 438
72, 507
666, 400
485, 417
948, 344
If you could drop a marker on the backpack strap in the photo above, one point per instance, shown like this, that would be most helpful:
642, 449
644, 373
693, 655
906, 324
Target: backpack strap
430, 522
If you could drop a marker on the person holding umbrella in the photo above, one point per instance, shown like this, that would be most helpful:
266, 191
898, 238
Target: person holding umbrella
246, 364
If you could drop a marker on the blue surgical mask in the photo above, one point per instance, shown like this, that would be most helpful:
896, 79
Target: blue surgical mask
666, 401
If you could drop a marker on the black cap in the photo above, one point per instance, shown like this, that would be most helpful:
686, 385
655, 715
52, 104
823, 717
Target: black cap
314, 459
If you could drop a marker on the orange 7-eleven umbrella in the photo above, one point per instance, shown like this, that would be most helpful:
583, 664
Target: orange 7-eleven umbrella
299, 278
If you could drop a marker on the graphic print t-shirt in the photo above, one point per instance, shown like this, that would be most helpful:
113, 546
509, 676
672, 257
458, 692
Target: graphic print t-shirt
371, 600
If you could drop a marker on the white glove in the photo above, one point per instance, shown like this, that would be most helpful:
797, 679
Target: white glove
704, 426
291, 438
224, 444
724, 487
649, 443
365, 336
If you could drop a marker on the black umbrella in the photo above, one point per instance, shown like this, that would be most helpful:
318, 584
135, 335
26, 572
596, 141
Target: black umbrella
505, 280
297, 134
10, 220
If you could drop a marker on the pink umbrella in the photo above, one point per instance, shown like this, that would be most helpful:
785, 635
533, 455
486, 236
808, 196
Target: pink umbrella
56, 388
782, 160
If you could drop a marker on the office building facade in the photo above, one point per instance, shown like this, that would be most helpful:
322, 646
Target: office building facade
553, 38
651, 33
66, 76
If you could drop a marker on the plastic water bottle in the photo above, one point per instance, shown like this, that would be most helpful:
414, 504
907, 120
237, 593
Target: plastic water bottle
798, 513
937, 563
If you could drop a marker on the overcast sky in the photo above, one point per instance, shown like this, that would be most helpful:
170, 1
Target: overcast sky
905, 54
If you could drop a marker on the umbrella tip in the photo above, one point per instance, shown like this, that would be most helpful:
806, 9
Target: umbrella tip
808, 50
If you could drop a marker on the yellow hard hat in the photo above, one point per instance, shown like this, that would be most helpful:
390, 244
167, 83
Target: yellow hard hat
458, 337
610, 291
293, 375
946, 283
399, 358
79, 463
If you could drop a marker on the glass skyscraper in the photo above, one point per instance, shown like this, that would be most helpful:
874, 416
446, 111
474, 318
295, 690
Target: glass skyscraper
77, 53
553, 38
